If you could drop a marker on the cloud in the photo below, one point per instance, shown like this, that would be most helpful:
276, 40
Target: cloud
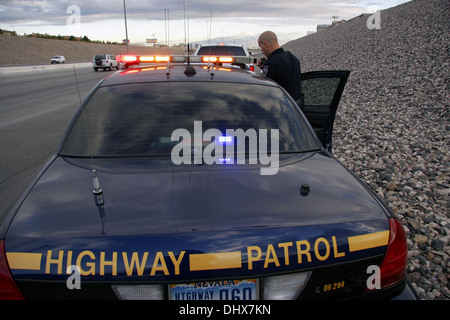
103, 19
55, 12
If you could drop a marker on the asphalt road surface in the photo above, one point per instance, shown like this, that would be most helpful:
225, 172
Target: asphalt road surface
36, 107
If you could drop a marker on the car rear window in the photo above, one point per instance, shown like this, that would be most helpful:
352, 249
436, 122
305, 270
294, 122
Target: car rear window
139, 119
221, 51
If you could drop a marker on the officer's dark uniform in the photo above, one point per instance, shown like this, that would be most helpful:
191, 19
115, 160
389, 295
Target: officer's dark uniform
284, 68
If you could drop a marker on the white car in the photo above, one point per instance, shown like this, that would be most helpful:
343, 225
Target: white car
104, 61
57, 59
221, 50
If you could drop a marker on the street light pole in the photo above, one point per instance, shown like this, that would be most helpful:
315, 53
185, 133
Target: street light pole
184, 10
126, 30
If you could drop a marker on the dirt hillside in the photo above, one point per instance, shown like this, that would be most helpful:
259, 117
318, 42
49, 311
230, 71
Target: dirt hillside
20, 50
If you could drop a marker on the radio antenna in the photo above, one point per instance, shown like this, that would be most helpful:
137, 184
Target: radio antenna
209, 41
188, 44
76, 81
210, 29
186, 41
97, 190
84, 119
166, 26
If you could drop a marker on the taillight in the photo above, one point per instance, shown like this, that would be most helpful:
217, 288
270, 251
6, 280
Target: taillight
8, 289
393, 267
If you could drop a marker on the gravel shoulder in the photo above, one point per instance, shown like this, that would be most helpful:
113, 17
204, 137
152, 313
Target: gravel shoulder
392, 128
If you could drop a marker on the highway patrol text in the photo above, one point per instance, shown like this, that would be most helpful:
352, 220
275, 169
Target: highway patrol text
95, 263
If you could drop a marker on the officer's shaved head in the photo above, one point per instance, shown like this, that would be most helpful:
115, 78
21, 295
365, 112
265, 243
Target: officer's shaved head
268, 42
268, 36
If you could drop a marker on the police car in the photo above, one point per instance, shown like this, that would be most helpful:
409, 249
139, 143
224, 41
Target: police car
179, 181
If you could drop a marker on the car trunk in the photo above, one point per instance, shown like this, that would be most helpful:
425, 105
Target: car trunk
154, 223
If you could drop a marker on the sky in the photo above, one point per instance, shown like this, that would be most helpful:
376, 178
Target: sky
195, 21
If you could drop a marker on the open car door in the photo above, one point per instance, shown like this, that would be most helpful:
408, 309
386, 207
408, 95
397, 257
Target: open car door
321, 93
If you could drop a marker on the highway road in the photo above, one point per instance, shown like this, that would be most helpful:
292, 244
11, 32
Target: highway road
36, 106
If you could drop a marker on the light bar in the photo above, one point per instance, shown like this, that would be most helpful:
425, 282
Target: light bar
162, 59
226, 59
136, 58
218, 59
209, 59
126, 58
129, 60
147, 59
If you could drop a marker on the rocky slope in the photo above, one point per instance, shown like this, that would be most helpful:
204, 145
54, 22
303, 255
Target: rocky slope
393, 125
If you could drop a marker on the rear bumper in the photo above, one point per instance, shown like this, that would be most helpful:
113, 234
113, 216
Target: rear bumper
402, 291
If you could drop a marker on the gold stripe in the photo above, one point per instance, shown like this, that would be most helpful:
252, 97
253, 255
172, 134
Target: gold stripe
215, 261
367, 241
24, 260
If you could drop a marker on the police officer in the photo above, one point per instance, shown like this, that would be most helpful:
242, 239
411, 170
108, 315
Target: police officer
280, 66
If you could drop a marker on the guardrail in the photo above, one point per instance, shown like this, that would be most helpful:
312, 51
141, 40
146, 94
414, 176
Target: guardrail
15, 69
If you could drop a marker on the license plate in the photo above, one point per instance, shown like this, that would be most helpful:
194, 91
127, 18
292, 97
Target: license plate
215, 290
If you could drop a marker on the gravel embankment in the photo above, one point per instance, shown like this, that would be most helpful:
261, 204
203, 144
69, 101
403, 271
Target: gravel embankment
392, 128
21, 50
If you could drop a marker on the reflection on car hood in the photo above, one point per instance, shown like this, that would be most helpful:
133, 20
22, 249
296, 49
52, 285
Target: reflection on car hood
175, 200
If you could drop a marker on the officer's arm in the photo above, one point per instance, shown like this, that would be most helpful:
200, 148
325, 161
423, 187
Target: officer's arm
273, 73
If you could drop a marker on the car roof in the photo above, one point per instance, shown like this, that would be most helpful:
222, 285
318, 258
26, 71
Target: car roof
221, 45
177, 73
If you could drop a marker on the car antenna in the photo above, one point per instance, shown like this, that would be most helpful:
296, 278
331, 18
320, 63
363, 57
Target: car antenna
97, 190
209, 40
190, 70
186, 45
98, 199
166, 26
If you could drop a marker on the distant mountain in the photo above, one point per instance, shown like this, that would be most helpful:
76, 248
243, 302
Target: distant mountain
247, 39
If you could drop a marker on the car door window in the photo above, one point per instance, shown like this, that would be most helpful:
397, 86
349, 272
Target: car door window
321, 91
